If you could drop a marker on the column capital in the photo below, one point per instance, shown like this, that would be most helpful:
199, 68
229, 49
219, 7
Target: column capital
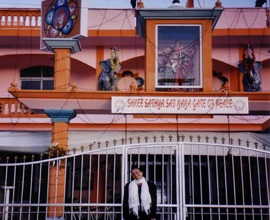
60, 115
72, 44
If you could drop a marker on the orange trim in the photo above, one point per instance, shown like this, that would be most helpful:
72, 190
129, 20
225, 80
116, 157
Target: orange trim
139, 127
112, 33
26, 31
207, 71
14, 117
35, 32
13, 109
172, 116
241, 32
150, 55
25, 126
234, 79
107, 95
172, 127
20, 32
266, 124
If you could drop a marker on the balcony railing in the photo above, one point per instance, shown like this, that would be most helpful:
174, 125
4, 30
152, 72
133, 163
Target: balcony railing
20, 18
10, 107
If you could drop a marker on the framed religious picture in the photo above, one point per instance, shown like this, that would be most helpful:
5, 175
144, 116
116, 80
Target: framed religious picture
178, 56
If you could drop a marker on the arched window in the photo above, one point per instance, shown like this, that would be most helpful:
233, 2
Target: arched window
37, 77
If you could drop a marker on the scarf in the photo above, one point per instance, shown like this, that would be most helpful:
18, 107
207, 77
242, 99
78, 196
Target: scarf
133, 200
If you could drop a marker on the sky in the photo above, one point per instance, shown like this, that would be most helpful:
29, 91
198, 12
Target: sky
126, 3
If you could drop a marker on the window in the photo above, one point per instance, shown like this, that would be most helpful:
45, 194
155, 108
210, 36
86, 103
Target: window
179, 56
37, 77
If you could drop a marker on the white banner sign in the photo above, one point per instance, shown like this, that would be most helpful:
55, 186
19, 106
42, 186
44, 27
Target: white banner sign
179, 105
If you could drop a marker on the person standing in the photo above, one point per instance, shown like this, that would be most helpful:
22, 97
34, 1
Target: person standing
140, 198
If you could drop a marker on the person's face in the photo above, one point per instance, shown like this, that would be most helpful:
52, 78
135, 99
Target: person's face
177, 47
136, 174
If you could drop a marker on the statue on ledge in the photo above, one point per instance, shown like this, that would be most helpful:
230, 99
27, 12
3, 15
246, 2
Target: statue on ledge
108, 77
252, 79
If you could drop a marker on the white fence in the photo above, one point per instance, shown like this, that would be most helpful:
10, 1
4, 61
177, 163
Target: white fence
194, 181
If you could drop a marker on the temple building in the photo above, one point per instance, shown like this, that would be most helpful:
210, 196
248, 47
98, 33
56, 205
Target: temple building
88, 94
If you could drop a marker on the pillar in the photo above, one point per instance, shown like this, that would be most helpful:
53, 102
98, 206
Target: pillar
62, 69
60, 120
62, 48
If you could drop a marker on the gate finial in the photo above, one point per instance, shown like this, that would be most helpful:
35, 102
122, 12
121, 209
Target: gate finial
223, 140
146, 139
162, 138
239, 141
82, 148
215, 139
183, 138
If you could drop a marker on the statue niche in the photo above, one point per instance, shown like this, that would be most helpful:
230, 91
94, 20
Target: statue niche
252, 79
107, 80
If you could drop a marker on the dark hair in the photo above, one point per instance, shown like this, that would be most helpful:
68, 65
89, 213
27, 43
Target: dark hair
139, 168
127, 73
136, 168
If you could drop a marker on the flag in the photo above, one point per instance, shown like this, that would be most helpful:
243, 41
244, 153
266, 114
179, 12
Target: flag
259, 3
133, 3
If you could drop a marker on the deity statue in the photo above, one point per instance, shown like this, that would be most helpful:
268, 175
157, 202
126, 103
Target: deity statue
108, 77
252, 79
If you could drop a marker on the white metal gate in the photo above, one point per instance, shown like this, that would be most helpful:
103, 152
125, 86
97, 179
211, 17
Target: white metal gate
161, 165
194, 181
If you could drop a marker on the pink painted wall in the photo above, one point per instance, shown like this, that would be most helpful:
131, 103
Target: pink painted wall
114, 19
83, 75
242, 18
126, 52
225, 54
11, 66
87, 55
226, 69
